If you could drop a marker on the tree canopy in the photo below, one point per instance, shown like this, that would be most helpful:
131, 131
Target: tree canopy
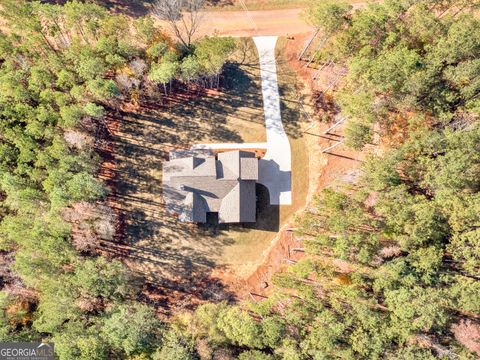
391, 260
408, 62
63, 68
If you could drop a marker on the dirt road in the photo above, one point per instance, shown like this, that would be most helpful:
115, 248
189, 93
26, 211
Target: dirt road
278, 22
253, 23
256, 23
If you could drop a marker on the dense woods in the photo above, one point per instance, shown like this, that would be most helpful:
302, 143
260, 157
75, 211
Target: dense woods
62, 68
408, 62
392, 261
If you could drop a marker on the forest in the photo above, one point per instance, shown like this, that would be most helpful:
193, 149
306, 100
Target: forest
391, 261
62, 70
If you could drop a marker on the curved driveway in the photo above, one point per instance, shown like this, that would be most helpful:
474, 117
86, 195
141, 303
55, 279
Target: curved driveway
275, 169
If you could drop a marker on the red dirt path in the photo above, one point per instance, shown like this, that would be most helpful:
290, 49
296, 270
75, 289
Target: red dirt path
254, 23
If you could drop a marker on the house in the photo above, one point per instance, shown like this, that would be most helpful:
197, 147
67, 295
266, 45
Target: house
221, 185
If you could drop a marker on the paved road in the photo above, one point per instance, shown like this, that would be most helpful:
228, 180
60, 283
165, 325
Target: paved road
275, 168
278, 22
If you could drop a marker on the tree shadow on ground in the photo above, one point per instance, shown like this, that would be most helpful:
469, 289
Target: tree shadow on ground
175, 259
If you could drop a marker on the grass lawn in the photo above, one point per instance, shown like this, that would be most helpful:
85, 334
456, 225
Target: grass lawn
235, 5
253, 5
248, 245
175, 255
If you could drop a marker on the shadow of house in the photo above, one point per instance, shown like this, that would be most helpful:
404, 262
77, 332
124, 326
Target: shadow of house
268, 216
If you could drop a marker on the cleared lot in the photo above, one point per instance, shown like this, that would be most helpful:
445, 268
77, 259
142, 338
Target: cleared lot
176, 258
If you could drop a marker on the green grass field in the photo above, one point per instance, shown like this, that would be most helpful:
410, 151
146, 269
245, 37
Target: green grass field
253, 5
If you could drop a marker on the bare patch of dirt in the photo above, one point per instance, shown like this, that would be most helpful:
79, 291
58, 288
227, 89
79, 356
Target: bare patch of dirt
254, 23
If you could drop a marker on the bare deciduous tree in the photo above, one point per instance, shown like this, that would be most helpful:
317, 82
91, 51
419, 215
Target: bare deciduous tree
126, 82
467, 333
78, 139
183, 16
138, 66
91, 223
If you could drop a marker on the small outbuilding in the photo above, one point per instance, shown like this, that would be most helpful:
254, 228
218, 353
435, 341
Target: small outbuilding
222, 185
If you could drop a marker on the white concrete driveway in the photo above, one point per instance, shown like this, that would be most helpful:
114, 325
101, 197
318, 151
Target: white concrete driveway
275, 168
232, 146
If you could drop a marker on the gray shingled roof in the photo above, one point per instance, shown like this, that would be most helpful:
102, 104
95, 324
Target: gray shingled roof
193, 186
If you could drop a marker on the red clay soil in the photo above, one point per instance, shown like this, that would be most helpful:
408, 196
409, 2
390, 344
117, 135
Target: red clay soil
107, 173
340, 161
258, 284
254, 23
